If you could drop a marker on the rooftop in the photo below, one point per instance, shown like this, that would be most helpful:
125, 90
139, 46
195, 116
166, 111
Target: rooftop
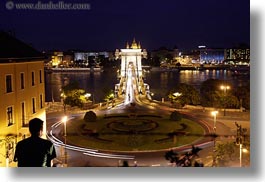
14, 50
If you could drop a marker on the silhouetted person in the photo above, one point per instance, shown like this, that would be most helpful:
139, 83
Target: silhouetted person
35, 151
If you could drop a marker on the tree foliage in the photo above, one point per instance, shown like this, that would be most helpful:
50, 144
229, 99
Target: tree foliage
109, 94
73, 95
225, 152
90, 116
209, 93
175, 116
184, 160
189, 95
213, 96
243, 94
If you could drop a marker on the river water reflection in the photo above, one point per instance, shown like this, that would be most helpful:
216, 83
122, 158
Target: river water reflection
97, 83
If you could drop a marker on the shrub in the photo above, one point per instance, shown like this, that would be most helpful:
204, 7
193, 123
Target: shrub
175, 116
90, 116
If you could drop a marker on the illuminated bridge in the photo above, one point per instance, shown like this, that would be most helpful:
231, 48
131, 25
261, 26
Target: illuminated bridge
131, 74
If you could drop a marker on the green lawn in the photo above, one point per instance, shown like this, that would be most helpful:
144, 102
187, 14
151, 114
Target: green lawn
109, 139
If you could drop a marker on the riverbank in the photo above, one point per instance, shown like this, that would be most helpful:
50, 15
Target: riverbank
194, 67
74, 70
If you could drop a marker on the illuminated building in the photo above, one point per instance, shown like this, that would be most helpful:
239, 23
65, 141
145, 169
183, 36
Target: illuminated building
22, 94
56, 59
211, 55
237, 55
85, 59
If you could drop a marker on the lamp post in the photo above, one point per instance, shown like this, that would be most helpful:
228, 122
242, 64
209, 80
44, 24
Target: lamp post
224, 88
64, 120
242, 150
64, 105
214, 113
240, 139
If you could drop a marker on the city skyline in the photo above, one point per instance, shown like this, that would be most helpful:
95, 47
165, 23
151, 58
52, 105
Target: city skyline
109, 25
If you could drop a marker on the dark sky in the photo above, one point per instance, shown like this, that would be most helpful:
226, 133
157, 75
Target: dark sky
110, 23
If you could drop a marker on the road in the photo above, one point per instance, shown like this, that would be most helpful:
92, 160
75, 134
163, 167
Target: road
79, 157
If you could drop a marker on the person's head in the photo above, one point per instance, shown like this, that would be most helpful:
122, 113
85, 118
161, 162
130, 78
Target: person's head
35, 127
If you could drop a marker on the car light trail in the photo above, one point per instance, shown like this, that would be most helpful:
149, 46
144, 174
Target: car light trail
85, 151
110, 156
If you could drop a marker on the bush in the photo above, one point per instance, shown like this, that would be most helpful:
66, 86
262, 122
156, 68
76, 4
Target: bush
175, 116
90, 116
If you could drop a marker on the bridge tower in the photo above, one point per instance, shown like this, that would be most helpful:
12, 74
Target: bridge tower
131, 57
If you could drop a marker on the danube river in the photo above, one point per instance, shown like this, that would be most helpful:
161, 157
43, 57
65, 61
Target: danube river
98, 83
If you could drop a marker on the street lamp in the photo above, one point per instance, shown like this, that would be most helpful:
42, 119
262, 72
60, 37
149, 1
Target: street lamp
64, 105
177, 94
224, 88
214, 113
64, 120
242, 150
88, 95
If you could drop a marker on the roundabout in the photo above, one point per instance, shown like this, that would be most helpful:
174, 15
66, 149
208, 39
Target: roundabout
138, 128
119, 133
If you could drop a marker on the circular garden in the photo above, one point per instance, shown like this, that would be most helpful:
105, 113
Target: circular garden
133, 133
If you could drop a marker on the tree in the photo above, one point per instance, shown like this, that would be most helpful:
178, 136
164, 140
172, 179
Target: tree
243, 95
171, 156
213, 96
73, 95
184, 160
187, 94
209, 94
90, 116
175, 116
195, 150
225, 152
109, 95
227, 100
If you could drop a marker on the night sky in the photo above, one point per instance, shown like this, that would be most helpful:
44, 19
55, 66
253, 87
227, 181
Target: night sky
109, 24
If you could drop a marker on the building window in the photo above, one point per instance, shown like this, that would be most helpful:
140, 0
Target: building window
41, 101
33, 106
10, 120
40, 76
22, 82
8, 83
23, 115
32, 78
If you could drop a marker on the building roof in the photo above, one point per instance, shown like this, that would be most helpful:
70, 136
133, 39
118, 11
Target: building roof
14, 50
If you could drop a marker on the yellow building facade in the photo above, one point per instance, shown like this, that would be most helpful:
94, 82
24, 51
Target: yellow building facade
22, 97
